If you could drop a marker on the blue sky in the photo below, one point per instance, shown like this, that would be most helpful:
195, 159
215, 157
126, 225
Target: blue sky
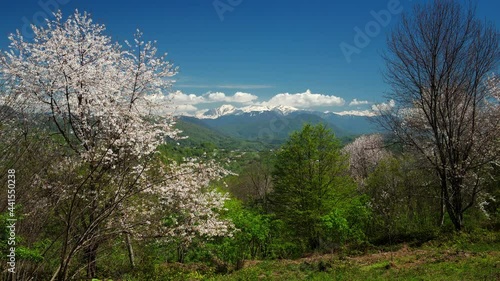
260, 47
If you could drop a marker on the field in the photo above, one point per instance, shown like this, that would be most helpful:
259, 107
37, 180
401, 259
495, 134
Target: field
403, 264
458, 257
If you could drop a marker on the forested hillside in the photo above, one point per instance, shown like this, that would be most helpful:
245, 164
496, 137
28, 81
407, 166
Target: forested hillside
102, 181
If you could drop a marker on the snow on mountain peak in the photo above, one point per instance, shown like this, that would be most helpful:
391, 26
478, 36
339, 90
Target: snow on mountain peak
255, 108
228, 109
215, 113
285, 109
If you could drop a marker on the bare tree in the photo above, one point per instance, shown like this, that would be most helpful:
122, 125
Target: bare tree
439, 61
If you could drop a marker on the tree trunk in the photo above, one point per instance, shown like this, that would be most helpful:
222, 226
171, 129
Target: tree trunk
90, 254
56, 274
61, 273
130, 250
91, 258
181, 252
454, 203
442, 209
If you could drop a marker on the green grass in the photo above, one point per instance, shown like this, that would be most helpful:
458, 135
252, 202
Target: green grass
456, 257
429, 266
462, 257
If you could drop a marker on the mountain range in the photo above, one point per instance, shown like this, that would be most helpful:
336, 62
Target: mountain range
271, 125
228, 109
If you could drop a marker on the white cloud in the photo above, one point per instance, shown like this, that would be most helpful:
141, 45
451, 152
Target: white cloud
381, 107
238, 97
244, 97
216, 97
179, 102
304, 100
368, 113
174, 103
356, 102
375, 110
179, 98
183, 108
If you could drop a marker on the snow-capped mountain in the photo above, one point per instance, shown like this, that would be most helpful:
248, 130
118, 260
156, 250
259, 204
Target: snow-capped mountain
274, 124
215, 113
227, 109
282, 109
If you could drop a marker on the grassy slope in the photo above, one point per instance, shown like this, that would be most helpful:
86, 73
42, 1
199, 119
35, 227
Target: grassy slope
451, 257
431, 262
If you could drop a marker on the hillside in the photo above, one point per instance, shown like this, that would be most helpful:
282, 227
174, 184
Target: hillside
461, 257
198, 135
253, 128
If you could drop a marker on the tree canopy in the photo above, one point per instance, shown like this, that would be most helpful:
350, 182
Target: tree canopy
310, 179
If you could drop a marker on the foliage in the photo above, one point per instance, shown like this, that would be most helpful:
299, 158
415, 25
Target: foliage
348, 223
431, 262
108, 186
309, 182
401, 197
254, 182
249, 240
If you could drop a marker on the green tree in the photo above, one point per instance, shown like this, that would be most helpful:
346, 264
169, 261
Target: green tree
310, 179
403, 197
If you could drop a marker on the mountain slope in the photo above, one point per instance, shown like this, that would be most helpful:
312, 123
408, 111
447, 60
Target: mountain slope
355, 125
258, 127
268, 126
200, 135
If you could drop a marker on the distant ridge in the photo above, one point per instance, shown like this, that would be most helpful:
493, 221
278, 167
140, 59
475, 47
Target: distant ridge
273, 124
